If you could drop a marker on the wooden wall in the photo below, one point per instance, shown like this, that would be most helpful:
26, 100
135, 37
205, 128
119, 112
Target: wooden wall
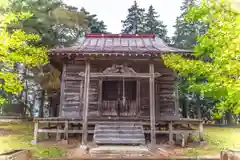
165, 94
73, 87
72, 90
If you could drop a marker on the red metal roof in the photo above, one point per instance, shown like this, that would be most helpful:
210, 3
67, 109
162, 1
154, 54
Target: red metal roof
118, 44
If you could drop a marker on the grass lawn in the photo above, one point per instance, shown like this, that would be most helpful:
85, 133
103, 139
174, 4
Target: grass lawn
217, 138
20, 135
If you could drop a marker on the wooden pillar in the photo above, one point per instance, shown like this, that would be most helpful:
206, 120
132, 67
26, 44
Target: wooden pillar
62, 88
138, 97
66, 132
35, 134
100, 97
81, 98
86, 103
152, 105
176, 112
170, 130
201, 131
58, 134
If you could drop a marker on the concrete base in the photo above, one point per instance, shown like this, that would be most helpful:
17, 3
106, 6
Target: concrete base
120, 151
202, 143
34, 142
64, 141
84, 148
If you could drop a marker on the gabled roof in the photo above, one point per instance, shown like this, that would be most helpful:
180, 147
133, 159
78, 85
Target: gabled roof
118, 43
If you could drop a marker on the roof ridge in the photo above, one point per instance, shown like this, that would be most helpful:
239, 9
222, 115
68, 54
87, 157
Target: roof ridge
99, 35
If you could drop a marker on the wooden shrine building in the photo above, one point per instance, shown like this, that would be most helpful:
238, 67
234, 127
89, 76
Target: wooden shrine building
113, 85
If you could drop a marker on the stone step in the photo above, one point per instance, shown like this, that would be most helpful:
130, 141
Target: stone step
119, 151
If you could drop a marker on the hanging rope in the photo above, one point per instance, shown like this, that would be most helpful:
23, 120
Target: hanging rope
124, 98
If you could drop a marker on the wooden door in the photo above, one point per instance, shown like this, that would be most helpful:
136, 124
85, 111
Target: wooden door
119, 98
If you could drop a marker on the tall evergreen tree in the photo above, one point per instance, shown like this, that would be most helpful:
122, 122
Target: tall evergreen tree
134, 22
154, 25
94, 25
186, 32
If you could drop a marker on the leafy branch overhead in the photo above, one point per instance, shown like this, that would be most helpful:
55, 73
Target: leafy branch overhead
16, 47
55, 22
217, 55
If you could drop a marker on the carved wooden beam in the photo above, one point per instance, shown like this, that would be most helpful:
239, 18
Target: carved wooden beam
137, 75
120, 71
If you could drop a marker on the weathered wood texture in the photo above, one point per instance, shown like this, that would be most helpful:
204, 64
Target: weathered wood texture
86, 103
119, 133
166, 108
94, 92
74, 88
152, 106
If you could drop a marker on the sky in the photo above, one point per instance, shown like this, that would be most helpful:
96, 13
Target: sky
113, 11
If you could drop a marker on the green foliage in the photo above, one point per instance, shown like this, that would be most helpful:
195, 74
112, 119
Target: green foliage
3, 3
49, 79
55, 22
20, 136
220, 45
138, 21
16, 47
134, 20
217, 139
153, 25
185, 35
94, 25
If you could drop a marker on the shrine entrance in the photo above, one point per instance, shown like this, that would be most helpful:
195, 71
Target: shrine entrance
119, 98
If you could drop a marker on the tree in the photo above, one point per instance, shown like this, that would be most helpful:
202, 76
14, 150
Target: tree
16, 47
186, 33
153, 25
134, 20
55, 22
216, 56
94, 25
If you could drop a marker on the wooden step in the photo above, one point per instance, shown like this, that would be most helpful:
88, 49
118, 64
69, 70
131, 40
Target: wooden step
111, 131
122, 140
119, 133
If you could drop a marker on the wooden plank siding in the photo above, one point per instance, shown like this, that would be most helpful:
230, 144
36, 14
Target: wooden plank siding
74, 90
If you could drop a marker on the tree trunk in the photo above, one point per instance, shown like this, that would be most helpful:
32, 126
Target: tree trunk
229, 118
25, 92
42, 100
198, 105
185, 108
